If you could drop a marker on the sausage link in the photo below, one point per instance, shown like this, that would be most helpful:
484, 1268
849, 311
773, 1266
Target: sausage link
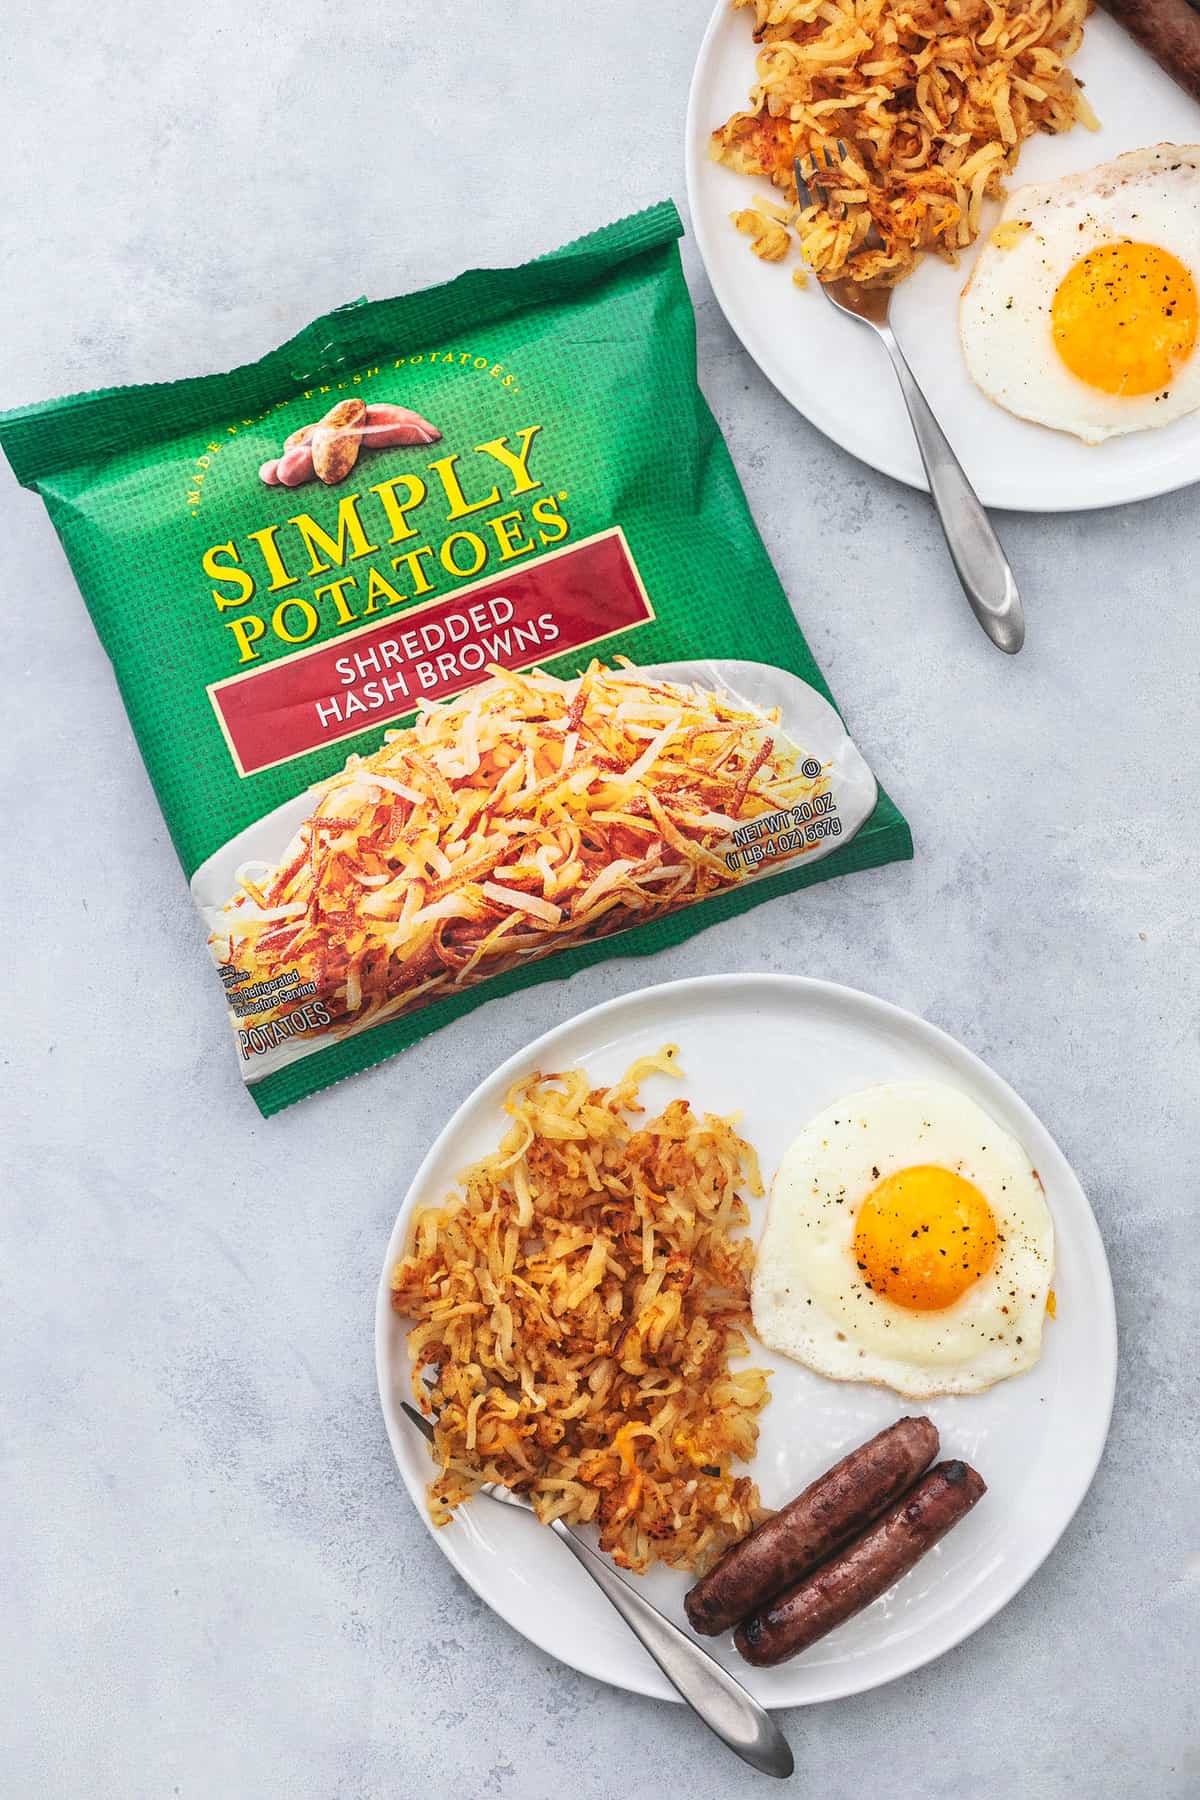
818, 1522
1169, 30
852, 1579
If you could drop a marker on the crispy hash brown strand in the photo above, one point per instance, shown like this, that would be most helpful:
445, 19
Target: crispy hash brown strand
932, 100
526, 816
579, 1300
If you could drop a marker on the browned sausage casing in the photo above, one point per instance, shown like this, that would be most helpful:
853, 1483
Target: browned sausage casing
858, 1575
837, 1506
1169, 30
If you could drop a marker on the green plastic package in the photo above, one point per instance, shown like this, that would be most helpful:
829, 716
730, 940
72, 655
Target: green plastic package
452, 650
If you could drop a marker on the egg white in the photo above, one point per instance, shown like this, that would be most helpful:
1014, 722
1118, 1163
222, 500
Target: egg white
1151, 196
808, 1296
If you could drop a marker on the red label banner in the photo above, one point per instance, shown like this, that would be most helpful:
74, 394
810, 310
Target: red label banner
378, 673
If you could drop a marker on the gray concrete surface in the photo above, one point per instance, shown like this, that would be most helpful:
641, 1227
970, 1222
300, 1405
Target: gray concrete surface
211, 1580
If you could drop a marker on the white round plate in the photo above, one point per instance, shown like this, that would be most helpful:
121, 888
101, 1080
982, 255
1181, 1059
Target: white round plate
835, 373
779, 1048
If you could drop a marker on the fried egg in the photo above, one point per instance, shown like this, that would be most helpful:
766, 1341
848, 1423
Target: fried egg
908, 1242
1082, 309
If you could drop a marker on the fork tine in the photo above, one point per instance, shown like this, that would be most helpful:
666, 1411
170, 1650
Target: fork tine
842, 150
802, 189
834, 206
418, 1419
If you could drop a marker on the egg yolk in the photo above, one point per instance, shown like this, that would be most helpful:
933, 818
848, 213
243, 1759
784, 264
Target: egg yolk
923, 1236
1124, 318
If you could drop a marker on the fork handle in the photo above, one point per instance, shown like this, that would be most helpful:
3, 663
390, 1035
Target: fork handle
975, 550
711, 1691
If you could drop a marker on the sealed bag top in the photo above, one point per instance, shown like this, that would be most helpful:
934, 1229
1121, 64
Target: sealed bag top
449, 642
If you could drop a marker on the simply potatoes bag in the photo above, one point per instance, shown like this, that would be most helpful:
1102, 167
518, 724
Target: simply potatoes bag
452, 650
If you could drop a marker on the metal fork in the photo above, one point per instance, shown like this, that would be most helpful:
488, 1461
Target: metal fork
711, 1691
975, 550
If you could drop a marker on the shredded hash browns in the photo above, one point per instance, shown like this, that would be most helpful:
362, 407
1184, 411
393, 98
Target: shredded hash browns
528, 815
932, 99
579, 1301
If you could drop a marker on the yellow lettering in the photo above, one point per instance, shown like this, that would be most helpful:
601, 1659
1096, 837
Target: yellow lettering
350, 535
508, 535
229, 574
265, 540
478, 550
546, 513
460, 506
308, 617
398, 510
416, 572
517, 464
378, 584
341, 604
246, 633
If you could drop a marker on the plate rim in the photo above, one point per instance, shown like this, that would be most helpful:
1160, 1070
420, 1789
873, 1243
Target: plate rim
801, 988
696, 133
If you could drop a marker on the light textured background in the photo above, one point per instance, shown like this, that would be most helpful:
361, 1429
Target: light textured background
212, 1583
